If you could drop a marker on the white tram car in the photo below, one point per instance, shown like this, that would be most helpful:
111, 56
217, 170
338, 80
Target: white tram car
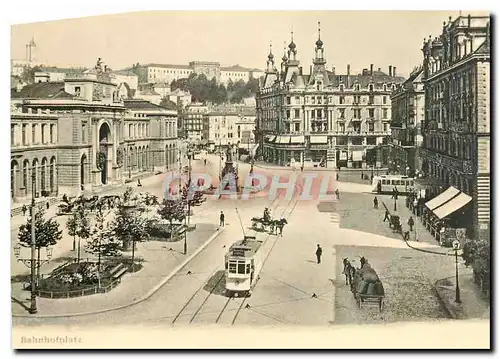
404, 184
243, 263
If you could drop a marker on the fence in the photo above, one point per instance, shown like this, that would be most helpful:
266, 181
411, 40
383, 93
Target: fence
78, 293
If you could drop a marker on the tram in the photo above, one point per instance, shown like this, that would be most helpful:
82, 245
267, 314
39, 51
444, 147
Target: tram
243, 263
386, 184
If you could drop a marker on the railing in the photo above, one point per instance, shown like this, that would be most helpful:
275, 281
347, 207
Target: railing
78, 293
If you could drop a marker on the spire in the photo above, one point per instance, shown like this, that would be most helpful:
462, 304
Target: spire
284, 58
319, 43
292, 51
270, 59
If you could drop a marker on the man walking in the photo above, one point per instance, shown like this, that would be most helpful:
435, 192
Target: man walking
375, 203
411, 223
221, 219
24, 209
387, 216
319, 252
337, 193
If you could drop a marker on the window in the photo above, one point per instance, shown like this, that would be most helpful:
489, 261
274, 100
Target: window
288, 114
297, 99
297, 127
43, 133
341, 100
384, 181
51, 133
319, 114
232, 266
313, 100
84, 139
342, 113
371, 100
341, 87
12, 135
370, 87
296, 113
241, 267
319, 100
371, 127
24, 138
33, 133
78, 91
384, 88
341, 127
357, 99
357, 113
384, 100
248, 268
384, 113
371, 113
356, 87
288, 100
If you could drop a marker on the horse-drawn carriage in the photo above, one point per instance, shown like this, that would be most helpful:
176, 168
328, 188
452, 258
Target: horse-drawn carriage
366, 286
267, 223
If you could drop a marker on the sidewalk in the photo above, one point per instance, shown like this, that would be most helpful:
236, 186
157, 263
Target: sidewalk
162, 260
419, 233
472, 306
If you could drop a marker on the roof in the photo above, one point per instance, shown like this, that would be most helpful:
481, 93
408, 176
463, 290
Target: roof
235, 68
60, 70
126, 72
169, 105
42, 90
244, 248
484, 49
166, 66
138, 104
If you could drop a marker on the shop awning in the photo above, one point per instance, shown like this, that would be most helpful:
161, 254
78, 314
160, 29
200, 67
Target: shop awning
297, 139
283, 139
452, 206
442, 198
319, 139
270, 138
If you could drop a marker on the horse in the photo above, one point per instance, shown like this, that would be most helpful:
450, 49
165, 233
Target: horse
278, 224
349, 271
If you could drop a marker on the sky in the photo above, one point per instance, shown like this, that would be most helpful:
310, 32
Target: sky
358, 38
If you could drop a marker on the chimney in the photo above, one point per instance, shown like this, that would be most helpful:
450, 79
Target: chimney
300, 70
333, 70
371, 69
390, 70
394, 71
379, 69
310, 69
347, 77
348, 70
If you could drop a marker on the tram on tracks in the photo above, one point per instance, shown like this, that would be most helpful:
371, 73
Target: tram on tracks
387, 183
243, 263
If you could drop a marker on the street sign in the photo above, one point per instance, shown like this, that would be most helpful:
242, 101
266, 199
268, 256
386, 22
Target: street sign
451, 252
456, 244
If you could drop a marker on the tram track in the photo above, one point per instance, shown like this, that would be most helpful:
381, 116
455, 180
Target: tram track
198, 302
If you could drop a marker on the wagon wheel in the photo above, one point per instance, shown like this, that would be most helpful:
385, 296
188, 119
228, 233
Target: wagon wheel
381, 305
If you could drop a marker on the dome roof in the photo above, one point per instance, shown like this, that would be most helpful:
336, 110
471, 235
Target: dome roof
284, 58
270, 56
319, 43
292, 46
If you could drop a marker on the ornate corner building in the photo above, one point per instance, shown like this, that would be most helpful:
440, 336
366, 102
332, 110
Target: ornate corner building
334, 120
82, 135
456, 144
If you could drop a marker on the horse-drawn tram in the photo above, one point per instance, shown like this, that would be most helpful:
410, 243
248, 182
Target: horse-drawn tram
243, 263
367, 288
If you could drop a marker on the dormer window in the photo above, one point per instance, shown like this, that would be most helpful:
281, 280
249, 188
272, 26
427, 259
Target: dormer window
356, 87
318, 85
341, 87
370, 87
385, 87
393, 87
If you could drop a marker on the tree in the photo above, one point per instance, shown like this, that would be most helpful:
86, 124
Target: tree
128, 226
102, 242
47, 233
172, 210
127, 195
79, 226
191, 198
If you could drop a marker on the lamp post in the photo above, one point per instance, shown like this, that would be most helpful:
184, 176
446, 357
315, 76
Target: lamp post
456, 248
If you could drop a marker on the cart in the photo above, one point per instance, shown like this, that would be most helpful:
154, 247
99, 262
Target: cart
368, 293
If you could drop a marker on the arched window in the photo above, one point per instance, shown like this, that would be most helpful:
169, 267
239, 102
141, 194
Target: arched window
341, 87
370, 87
356, 87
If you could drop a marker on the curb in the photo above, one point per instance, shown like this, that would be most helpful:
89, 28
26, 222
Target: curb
452, 312
143, 298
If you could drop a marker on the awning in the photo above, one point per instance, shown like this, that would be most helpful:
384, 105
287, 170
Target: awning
297, 139
283, 139
442, 198
319, 139
451, 206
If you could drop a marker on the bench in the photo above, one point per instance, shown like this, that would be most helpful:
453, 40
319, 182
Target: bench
116, 268
120, 273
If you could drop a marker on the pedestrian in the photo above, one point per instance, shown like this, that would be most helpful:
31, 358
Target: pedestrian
375, 203
139, 184
371, 177
387, 216
406, 236
337, 176
221, 219
302, 168
411, 223
24, 209
362, 175
319, 252
47, 205
337, 193
205, 161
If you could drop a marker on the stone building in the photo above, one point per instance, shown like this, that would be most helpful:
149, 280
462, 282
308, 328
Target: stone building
407, 109
456, 144
79, 135
329, 118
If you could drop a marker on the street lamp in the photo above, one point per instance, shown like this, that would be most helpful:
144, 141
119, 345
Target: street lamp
456, 248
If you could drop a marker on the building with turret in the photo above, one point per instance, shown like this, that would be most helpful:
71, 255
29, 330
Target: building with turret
335, 120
